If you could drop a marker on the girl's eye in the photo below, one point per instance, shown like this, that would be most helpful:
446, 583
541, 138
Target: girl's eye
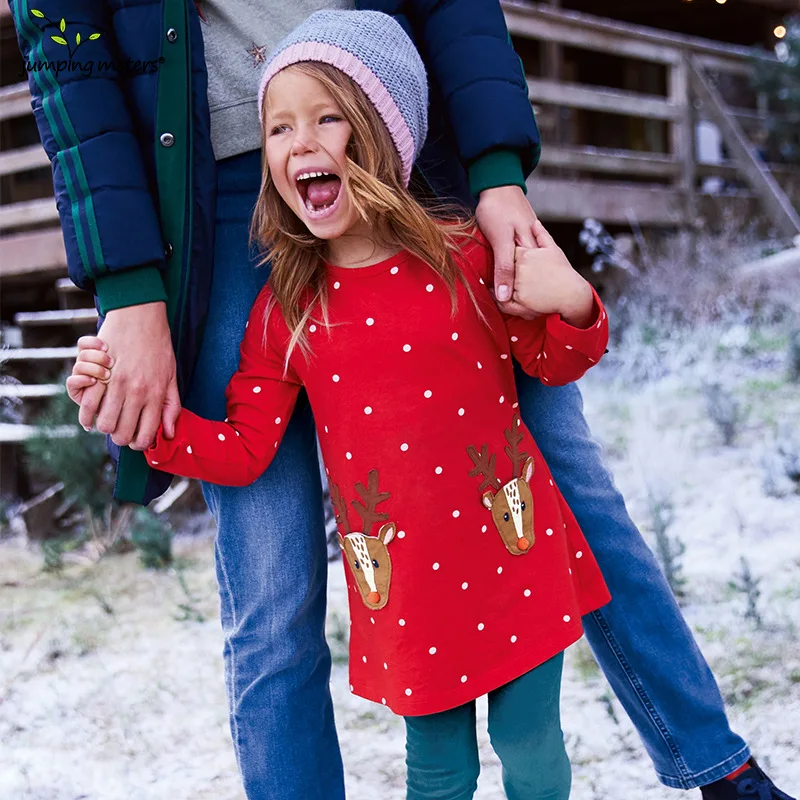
523, 505
330, 118
277, 130
505, 516
357, 565
375, 563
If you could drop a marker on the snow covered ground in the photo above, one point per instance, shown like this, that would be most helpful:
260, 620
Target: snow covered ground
111, 676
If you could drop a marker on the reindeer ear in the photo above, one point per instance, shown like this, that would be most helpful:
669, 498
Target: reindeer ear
527, 470
387, 532
341, 540
487, 498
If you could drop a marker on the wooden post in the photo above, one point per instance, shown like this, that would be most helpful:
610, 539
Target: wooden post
682, 135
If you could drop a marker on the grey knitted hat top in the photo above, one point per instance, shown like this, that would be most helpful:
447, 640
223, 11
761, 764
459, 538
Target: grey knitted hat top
374, 50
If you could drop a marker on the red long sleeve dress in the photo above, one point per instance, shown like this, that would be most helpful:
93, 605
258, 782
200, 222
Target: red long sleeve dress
465, 567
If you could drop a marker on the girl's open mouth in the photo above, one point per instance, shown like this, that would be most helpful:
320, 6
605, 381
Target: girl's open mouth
319, 191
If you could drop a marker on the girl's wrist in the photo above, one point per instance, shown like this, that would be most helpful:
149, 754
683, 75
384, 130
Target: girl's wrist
579, 311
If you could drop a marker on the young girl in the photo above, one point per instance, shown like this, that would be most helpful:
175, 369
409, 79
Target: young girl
467, 573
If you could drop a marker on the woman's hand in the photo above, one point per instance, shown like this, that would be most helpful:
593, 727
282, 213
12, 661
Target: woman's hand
546, 283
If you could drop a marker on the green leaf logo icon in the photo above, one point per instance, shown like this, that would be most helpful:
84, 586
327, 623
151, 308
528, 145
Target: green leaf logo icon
62, 26
59, 39
37, 13
77, 38
95, 36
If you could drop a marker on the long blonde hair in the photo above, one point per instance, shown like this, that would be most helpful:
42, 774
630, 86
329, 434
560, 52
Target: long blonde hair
373, 178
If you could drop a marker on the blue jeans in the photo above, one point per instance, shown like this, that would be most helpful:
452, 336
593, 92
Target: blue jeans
272, 570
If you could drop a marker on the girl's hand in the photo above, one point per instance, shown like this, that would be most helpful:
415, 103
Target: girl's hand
92, 366
546, 283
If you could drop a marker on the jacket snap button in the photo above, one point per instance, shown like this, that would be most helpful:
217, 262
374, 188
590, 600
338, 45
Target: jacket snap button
168, 250
172, 35
167, 139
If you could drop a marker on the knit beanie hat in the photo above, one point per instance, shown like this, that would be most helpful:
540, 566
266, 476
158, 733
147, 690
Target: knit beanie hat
374, 50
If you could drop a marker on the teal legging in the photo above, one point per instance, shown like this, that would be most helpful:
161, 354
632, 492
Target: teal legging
525, 730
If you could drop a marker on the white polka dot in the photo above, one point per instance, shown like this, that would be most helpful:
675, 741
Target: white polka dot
481, 626
247, 325
394, 270
312, 328
456, 514
436, 565
432, 651
549, 531
383, 700
154, 463
336, 379
406, 348
221, 437
551, 482
385, 665
189, 449
546, 379
527, 593
408, 692
454, 337
401, 622
429, 287
372, 620
463, 679
592, 360
465, 585
568, 346
504, 356
368, 410
480, 366
401, 534
364, 659
277, 420
275, 445
516, 405
579, 554
336, 285
570, 570
460, 412
428, 393
236, 432
404, 446
513, 639
502, 398
348, 456
544, 354
351, 687
256, 389
481, 282
599, 322
567, 618
326, 429
438, 470
370, 321
483, 529
515, 338
499, 570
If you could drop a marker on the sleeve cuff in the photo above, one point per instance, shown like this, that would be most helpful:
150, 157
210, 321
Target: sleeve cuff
497, 168
590, 341
130, 287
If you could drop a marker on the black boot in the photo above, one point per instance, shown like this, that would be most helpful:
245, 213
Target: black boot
752, 784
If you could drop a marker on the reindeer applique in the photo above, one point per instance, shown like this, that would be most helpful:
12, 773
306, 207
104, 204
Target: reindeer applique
511, 504
367, 555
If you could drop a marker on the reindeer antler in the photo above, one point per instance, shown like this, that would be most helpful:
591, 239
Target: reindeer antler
371, 497
339, 508
484, 465
514, 437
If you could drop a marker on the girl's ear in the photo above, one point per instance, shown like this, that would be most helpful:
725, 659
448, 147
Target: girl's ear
527, 470
387, 532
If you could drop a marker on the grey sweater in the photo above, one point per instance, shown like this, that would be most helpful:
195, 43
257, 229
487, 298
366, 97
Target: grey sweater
238, 36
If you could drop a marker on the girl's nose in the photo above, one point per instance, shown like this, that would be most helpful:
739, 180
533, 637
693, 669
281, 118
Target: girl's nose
303, 143
374, 598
